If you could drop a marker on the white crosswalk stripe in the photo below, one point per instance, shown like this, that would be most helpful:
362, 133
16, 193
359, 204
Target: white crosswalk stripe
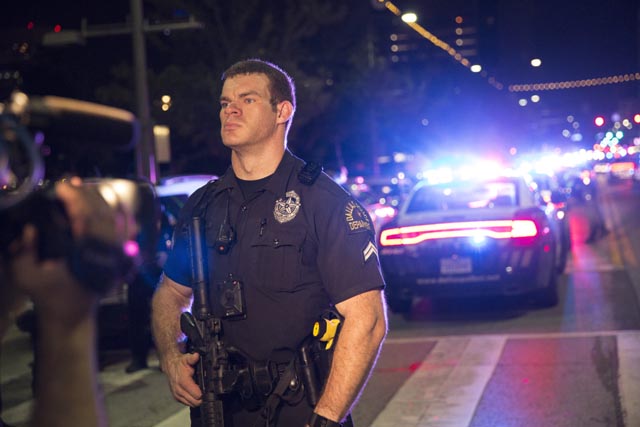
446, 389
180, 419
629, 376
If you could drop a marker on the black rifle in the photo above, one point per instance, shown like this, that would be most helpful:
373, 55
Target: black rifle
203, 331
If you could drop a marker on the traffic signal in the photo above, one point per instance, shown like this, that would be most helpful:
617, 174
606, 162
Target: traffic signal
599, 121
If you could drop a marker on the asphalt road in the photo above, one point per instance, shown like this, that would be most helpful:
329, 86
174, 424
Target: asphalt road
479, 363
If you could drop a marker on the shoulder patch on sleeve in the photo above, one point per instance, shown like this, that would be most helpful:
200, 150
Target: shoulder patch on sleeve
357, 218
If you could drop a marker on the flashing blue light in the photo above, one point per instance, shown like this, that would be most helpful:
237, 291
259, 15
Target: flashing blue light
479, 239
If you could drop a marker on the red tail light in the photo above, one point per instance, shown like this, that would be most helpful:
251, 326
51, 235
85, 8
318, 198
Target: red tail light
498, 229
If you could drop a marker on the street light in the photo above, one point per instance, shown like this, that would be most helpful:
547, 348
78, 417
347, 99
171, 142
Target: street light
409, 17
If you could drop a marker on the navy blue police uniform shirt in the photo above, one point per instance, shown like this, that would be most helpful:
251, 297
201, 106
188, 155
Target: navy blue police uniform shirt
299, 248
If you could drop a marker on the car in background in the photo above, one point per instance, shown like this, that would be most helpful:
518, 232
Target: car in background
381, 197
171, 194
622, 169
488, 237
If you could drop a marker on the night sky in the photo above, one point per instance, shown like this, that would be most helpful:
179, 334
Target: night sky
348, 111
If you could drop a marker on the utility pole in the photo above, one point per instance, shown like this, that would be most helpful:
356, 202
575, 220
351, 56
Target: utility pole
146, 165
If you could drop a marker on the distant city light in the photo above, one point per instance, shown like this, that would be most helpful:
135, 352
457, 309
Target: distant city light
599, 121
409, 17
535, 98
536, 62
522, 102
57, 28
476, 68
636, 118
399, 157
166, 102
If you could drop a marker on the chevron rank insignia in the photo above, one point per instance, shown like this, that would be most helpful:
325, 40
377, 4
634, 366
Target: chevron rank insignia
369, 250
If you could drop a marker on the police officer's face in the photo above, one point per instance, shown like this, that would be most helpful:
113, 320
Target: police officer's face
246, 115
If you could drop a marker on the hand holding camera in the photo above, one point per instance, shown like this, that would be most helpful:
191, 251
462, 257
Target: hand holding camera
52, 282
76, 226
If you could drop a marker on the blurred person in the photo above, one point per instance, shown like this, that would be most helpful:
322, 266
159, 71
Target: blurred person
141, 288
67, 391
297, 244
597, 226
139, 293
585, 191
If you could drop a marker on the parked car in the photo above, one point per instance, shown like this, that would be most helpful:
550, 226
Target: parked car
623, 170
172, 193
381, 197
471, 238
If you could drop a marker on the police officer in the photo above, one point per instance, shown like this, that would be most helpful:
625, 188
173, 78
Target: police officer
295, 241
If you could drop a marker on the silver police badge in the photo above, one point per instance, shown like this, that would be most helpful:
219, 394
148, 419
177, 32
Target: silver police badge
287, 208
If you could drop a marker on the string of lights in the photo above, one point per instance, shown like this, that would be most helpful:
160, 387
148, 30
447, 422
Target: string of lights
572, 84
525, 87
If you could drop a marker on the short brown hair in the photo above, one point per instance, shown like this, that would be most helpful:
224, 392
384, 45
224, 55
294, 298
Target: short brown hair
281, 85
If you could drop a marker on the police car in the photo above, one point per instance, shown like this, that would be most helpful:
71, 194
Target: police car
474, 237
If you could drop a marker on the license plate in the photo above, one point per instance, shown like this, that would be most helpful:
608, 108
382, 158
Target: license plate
460, 265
